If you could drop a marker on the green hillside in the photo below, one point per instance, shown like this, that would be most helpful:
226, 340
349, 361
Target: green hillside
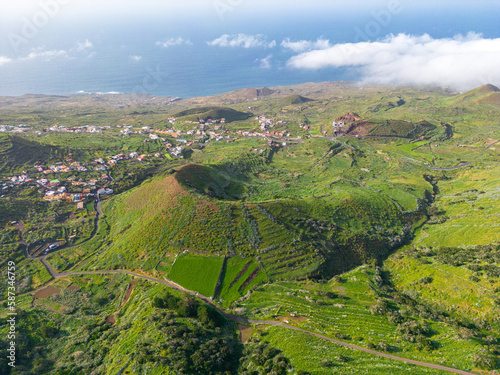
213, 113
295, 100
17, 152
225, 209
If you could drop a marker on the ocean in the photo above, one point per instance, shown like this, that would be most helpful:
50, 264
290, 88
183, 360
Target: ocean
160, 55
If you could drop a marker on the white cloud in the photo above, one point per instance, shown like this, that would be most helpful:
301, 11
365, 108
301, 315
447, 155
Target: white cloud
5, 60
306, 45
174, 42
40, 53
135, 58
265, 63
462, 62
242, 40
82, 46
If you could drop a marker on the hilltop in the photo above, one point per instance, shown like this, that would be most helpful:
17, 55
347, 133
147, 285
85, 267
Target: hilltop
487, 94
488, 88
213, 113
295, 99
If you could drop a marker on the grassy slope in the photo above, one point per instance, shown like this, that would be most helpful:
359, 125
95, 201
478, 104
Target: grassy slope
343, 310
161, 217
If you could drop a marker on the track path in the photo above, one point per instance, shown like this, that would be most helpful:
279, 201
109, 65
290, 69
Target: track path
239, 319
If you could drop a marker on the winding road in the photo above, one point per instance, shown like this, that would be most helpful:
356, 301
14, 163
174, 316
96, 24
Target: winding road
234, 318
239, 319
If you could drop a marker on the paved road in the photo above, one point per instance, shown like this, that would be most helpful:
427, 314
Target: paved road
332, 139
239, 319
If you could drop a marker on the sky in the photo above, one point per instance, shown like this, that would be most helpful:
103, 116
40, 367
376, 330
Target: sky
197, 47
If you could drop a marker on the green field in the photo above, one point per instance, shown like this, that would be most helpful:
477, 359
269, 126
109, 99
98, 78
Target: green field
198, 273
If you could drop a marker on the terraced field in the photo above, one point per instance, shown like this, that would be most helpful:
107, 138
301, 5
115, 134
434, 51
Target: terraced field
198, 273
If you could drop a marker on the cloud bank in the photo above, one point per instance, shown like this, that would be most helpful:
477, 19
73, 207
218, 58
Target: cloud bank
242, 40
46, 55
461, 62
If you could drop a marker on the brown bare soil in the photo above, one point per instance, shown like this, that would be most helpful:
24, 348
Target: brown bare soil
129, 292
349, 117
249, 279
245, 332
110, 319
241, 273
164, 191
73, 287
292, 319
361, 128
494, 98
46, 292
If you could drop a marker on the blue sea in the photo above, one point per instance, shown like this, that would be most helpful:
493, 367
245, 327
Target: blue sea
97, 52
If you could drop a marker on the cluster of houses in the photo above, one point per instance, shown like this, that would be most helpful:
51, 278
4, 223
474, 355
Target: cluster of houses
77, 129
97, 165
127, 130
15, 181
104, 191
14, 129
114, 159
62, 195
175, 150
60, 168
338, 125
210, 122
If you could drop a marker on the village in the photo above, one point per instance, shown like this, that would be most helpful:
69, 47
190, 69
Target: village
54, 186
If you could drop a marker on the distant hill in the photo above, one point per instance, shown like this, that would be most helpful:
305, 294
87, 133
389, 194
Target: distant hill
18, 153
487, 94
213, 113
488, 88
295, 100
251, 93
383, 128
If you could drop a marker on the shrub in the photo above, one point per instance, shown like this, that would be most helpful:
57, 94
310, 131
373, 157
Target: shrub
425, 280
326, 363
485, 360
342, 358
380, 308
384, 347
